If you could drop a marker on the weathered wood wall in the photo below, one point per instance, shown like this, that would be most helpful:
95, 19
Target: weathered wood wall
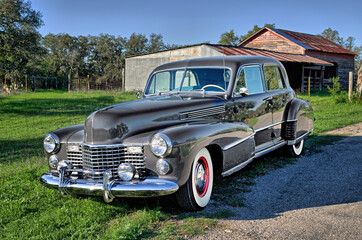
273, 42
345, 64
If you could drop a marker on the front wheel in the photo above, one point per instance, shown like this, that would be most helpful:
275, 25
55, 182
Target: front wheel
296, 149
196, 192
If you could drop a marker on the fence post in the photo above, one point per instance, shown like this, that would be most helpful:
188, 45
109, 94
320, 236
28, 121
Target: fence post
33, 83
350, 86
309, 89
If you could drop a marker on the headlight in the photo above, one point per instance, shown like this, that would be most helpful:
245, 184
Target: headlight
161, 145
51, 143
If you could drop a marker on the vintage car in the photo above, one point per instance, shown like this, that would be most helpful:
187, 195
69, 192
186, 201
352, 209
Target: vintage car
196, 119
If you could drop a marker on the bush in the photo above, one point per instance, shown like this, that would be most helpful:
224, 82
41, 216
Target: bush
339, 96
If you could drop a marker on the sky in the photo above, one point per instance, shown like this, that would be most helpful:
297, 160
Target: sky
192, 21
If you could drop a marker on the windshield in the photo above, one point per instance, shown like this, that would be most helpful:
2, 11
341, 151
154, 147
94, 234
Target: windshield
194, 79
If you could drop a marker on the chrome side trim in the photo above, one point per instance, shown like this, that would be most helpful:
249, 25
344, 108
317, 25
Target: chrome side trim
200, 113
268, 150
237, 168
230, 145
147, 188
292, 142
266, 127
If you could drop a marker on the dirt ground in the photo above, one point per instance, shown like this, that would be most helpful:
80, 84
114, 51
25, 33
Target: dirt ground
352, 130
318, 197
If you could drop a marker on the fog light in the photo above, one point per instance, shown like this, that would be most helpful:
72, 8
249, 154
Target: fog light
126, 171
163, 167
63, 165
53, 162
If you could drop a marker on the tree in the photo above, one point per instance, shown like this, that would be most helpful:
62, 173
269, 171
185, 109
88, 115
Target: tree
349, 44
19, 39
332, 35
155, 43
66, 54
136, 44
229, 38
106, 57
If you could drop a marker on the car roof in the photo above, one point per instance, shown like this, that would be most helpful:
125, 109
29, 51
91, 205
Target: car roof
232, 62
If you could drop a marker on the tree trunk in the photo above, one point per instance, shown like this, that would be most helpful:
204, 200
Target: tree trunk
359, 81
88, 82
26, 83
69, 79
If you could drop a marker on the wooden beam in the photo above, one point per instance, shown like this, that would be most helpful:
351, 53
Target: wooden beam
321, 80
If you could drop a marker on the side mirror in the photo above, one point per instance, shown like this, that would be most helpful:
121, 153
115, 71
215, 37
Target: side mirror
138, 95
244, 91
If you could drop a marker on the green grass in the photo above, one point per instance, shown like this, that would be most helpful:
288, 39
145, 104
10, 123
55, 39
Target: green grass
29, 210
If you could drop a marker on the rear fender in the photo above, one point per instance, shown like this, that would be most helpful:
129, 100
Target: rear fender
298, 120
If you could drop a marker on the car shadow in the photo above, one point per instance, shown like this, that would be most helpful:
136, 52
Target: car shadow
329, 175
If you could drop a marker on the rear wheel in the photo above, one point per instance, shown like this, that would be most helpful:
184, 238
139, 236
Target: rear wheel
196, 193
296, 149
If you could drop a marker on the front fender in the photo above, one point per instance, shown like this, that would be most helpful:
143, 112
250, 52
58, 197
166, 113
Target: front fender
189, 139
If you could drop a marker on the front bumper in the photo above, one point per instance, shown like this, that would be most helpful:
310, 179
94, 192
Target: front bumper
109, 189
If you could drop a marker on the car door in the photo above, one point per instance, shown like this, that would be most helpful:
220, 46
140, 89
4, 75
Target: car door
253, 107
279, 96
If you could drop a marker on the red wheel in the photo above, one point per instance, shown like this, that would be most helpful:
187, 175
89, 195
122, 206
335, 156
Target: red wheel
196, 193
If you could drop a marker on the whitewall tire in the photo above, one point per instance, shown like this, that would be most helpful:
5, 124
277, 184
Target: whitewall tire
196, 193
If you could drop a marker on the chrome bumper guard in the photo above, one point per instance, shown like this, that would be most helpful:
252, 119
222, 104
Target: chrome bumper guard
109, 189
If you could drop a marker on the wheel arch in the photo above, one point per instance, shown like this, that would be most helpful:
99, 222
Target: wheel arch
298, 119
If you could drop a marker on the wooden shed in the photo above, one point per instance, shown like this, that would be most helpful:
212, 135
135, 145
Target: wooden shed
279, 40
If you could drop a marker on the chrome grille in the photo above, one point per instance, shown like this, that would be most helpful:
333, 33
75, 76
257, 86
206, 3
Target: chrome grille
74, 155
102, 157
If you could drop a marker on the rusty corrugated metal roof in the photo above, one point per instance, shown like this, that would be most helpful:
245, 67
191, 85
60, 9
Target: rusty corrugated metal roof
283, 57
316, 42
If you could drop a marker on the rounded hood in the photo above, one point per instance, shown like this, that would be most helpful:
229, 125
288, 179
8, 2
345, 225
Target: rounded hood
114, 123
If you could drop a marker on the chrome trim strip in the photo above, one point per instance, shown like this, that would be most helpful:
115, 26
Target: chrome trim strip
292, 142
230, 145
237, 168
147, 188
271, 125
110, 145
204, 112
268, 150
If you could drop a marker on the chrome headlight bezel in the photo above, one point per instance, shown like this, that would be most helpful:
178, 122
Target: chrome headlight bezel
51, 143
161, 145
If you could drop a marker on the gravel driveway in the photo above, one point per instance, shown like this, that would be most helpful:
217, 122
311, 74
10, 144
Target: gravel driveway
319, 197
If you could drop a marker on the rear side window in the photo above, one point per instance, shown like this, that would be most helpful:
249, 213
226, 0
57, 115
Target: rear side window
273, 77
249, 77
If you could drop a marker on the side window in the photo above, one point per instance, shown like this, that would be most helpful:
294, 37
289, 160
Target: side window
189, 81
249, 77
281, 80
178, 78
273, 77
160, 82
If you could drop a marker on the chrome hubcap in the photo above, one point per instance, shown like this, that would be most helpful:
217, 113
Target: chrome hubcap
201, 177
